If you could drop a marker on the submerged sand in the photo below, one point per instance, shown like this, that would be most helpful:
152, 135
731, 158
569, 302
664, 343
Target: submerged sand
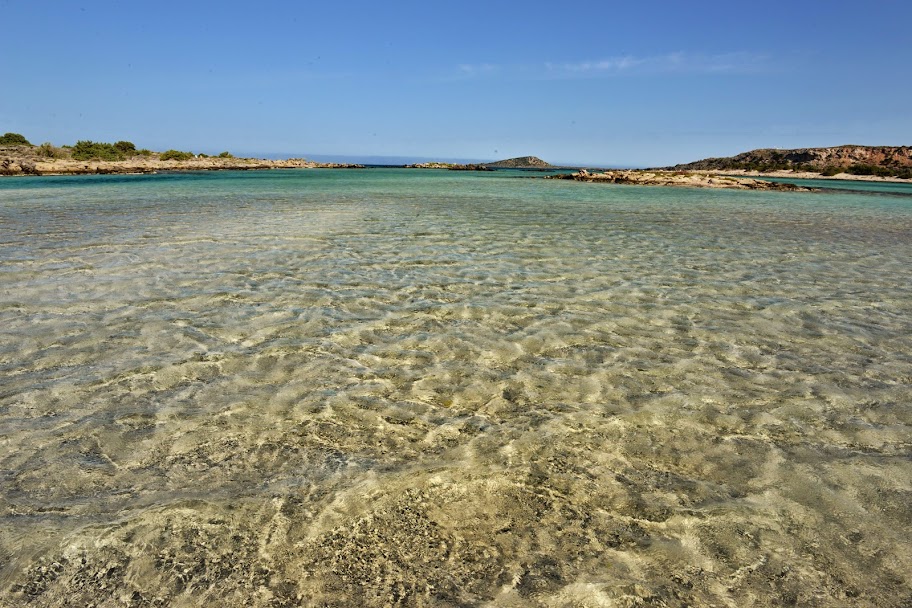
387, 390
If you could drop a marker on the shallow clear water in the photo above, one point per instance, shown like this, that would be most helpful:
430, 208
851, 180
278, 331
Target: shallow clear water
870, 187
390, 387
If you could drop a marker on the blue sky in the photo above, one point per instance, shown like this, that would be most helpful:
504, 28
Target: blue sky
635, 84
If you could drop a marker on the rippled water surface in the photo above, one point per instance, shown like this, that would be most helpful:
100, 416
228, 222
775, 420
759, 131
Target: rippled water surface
389, 387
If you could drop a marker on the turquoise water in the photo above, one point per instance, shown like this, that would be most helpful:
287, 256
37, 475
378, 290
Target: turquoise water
390, 387
871, 187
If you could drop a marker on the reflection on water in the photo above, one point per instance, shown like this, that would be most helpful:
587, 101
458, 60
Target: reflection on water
402, 388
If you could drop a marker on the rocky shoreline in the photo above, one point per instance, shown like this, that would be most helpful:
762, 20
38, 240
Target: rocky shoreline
882, 163
450, 166
678, 179
14, 162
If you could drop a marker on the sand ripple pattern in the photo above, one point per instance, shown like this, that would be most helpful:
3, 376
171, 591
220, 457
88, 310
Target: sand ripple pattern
389, 389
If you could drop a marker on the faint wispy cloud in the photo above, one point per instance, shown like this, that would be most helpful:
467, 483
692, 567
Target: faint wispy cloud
628, 65
484, 69
617, 64
682, 63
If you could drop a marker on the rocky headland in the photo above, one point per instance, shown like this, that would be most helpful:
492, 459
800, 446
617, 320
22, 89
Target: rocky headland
838, 162
676, 178
31, 160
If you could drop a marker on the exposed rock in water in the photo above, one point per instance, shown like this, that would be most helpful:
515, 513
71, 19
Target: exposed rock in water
470, 167
677, 178
450, 166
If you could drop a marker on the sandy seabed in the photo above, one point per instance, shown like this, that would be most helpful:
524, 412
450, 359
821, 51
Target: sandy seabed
395, 398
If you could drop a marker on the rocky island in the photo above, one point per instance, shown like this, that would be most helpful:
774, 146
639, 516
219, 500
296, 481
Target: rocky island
522, 162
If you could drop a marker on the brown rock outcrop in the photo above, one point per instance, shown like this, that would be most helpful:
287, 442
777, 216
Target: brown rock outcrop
809, 159
676, 178
23, 160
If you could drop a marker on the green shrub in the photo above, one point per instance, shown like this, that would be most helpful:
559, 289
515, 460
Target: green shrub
13, 139
176, 155
830, 171
226, 155
125, 147
864, 169
48, 150
144, 152
96, 150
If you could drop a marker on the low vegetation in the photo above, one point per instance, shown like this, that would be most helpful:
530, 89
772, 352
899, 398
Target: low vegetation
125, 147
49, 150
865, 169
861, 169
176, 155
13, 139
88, 150
825, 171
96, 150
881, 161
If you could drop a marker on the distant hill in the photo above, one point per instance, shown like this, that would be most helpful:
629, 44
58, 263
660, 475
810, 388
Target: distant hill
522, 162
860, 160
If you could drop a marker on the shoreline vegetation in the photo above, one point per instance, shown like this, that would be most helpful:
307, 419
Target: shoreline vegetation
866, 163
18, 157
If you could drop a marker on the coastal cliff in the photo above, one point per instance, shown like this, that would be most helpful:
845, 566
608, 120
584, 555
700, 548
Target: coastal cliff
884, 161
